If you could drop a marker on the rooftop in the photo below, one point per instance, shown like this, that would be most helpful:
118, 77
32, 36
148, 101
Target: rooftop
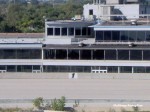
98, 46
21, 35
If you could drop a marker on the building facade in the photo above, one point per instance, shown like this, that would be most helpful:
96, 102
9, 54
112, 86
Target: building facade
98, 46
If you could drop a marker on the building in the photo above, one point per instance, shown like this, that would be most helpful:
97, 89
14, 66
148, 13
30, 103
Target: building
118, 9
98, 46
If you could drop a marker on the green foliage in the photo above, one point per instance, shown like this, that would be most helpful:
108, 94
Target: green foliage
38, 102
31, 17
58, 104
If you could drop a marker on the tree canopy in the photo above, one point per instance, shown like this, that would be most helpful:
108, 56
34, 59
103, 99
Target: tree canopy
23, 17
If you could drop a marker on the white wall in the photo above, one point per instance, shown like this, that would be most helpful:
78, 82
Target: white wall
57, 41
129, 10
112, 1
86, 8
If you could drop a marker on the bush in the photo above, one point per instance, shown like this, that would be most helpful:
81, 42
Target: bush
58, 104
38, 102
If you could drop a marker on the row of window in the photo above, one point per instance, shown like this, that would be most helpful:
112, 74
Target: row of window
19, 68
97, 54
89, 69
123, 35
20, 54
68, 31
85, 69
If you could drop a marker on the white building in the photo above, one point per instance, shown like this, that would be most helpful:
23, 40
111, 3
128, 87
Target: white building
106, 10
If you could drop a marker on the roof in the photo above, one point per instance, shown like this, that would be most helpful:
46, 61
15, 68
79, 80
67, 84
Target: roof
70, 23
98, 46
21, 46
21, 35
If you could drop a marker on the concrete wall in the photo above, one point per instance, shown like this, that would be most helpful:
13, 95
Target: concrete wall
112, 1
129, 10
95, 8
57, 40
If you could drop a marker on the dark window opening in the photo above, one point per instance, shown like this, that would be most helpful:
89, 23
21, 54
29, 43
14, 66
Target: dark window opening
89, 31
73, 54
135, 55
64, 31
57, 31
98, 54
110, 54
71, 31
146, 55
125, 69
115, 35
78, 31
61, 54
84, 31
85, 54
49, 31
91, 12
107, 35
49, 54
99, 35
123, 54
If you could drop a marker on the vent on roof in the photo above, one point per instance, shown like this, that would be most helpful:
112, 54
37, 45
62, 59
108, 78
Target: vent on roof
131, 44
81, 45
133, 22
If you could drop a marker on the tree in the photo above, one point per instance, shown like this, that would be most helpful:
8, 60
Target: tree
34, 2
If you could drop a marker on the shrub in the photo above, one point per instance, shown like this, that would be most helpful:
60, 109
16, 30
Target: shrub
38, 102
58, 104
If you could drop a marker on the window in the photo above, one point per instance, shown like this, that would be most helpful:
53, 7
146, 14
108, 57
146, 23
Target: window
135, 55
141, 36
78, 31
123, 54
124, 36
99, 35
57, 31
147, 35
107, 35
73, 54
98, 54
50, 31
125, 69
112, 69
139, 69
132, 36
49, 54
85, 54
64, 31
110, 54
61, 54
71, 31
91, 12
84, 31
115, 35
146, 54
89, 31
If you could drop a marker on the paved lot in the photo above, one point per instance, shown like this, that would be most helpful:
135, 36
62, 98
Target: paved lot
108, 91
75, 88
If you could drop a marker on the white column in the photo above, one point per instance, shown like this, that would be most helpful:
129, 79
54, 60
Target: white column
118, 69
132, 69
42, 54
